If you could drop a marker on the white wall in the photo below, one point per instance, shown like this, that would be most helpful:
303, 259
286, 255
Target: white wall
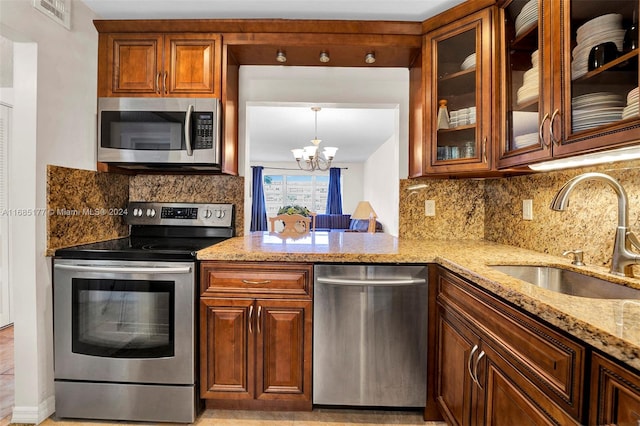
55, 90
324, 85
381, 187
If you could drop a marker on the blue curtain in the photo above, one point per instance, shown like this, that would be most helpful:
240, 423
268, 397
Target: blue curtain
258, 209
334, 198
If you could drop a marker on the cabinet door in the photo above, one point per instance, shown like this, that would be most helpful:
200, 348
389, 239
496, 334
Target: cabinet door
284, 349
454, 385
598, 101
227, 357
192, 65
134, 64
458, 77
525, 32
615, 397
510, 399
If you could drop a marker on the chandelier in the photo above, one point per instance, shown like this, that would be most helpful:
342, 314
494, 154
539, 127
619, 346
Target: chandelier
308, 157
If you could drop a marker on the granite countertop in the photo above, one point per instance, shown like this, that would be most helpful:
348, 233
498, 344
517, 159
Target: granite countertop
590, 320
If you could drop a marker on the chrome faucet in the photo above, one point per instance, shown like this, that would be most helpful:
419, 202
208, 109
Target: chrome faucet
623, 258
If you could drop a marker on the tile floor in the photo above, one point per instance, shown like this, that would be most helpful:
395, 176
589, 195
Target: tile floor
318, 417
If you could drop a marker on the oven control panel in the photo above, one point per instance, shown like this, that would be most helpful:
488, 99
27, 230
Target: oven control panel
180, 214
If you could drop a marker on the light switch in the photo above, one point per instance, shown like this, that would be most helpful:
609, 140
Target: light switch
430, 208
527, 209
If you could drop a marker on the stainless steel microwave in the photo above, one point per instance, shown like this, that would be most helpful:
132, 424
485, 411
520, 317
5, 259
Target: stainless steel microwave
160, 133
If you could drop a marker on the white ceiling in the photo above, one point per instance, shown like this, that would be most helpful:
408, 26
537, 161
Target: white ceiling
273, 130
394, 10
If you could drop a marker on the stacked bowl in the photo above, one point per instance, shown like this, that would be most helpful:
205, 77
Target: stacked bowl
531, 82
632, 108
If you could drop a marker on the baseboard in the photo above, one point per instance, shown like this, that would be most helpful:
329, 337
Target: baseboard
34, 415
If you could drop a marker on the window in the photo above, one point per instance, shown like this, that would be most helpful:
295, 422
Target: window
309, 191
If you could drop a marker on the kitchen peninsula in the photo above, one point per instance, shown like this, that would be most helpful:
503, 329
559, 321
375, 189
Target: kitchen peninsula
590, 320
547, 366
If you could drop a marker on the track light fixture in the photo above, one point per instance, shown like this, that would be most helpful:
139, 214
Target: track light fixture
370, 58
281, 56
324, 57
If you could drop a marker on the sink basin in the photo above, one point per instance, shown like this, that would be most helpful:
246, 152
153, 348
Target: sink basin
568, 282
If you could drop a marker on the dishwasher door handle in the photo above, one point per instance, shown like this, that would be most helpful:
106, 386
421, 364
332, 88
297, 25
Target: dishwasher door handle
374, 282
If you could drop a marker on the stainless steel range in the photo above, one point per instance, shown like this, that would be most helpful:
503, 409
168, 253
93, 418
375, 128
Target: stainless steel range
125, 318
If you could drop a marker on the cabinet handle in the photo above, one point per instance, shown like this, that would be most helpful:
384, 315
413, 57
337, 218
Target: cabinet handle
473, 351
256, 282
250, 318
475, 369
164, 83
540, 135
484, 149
553, 119
158, 83
259, 315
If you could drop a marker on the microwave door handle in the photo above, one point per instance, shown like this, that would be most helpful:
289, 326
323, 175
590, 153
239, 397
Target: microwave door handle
187, 130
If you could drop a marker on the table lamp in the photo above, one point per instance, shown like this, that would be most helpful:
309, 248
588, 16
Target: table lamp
365, 211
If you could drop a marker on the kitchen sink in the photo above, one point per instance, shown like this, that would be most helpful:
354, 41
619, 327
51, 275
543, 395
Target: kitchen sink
568, 282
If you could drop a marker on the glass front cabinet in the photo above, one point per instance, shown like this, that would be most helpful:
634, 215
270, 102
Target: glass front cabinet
569, 71
458, 86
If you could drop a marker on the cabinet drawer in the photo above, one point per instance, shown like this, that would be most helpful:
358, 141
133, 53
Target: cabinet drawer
550, 360
280, 279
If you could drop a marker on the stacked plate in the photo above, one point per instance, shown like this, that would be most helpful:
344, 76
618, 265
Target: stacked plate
632, 108
531, 82
469, 62
596, 31
527, 18
527, 139
596, 109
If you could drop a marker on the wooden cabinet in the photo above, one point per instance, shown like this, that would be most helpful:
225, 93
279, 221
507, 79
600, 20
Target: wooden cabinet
556, 103
458, 71
496, 365
615, 393
256, 332
155, 65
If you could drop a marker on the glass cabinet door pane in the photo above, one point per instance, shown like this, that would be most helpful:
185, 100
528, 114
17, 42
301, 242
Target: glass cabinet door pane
456, 91
604, 64
523, 68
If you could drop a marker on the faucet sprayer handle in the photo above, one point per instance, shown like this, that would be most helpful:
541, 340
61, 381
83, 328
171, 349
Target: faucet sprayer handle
633, 239
576, 255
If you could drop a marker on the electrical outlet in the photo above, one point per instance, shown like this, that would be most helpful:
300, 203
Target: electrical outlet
429, 207
527, 209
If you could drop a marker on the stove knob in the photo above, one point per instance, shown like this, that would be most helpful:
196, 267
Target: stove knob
137, 212
208, 213
151, 213
221, 214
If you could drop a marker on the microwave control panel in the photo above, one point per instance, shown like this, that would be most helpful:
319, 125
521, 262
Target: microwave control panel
203, 129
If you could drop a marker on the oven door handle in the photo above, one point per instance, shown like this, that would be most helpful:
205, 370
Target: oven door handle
127, 270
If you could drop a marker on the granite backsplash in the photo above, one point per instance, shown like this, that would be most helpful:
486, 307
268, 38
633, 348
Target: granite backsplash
84, 206
491, 209
87, 206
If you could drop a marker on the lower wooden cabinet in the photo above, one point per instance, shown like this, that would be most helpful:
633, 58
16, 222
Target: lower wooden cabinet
615, 394
486, 376
255, 347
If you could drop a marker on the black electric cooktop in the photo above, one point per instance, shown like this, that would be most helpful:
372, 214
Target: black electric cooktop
163, 232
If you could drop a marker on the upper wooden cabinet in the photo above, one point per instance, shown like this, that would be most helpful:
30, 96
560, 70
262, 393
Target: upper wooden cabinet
559, 98
155, 65
458, 71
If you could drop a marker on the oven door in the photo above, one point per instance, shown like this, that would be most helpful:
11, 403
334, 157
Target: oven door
130, 322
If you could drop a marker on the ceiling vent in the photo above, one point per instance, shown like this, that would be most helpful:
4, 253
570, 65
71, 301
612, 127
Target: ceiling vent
58, 10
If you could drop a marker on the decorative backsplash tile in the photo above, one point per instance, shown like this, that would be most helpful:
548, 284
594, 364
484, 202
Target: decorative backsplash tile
588, 224
193, 189
84, 206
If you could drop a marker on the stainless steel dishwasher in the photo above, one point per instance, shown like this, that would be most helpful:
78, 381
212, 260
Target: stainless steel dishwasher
370, 335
